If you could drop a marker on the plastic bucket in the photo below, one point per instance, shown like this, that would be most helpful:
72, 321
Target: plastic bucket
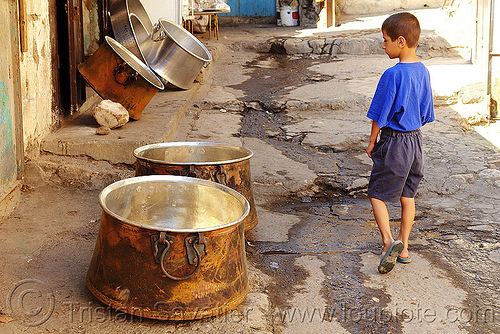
289, 16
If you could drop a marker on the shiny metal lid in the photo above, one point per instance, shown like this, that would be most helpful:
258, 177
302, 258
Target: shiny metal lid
135, 63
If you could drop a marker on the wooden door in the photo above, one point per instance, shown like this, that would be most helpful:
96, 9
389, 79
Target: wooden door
76, 53
251, 8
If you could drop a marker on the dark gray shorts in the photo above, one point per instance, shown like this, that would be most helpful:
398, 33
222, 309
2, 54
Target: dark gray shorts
398, 165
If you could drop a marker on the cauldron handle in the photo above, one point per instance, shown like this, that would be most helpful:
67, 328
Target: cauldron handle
162, 34
192, 171
219, 175
193, 243
175, 278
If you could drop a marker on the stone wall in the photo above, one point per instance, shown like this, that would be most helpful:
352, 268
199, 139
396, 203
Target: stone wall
36, 77
367, 7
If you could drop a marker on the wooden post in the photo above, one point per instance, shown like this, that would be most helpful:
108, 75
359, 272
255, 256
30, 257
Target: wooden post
330, 13
22, 26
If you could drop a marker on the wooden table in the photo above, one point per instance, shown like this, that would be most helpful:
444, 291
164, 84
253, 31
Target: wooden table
212, 15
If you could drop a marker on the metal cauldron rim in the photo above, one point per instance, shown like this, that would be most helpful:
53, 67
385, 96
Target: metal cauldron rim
172, 178
119, 25
138, 150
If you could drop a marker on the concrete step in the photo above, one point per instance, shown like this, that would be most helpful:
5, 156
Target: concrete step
430, 46
158, 123
74, 172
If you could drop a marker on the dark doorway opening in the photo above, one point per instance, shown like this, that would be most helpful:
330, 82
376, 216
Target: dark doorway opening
70, 54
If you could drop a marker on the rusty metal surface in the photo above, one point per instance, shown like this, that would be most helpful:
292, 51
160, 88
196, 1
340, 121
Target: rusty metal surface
109, 74
232, 172
124, 275
168, 275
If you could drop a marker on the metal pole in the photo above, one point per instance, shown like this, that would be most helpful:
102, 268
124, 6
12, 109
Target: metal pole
493, 108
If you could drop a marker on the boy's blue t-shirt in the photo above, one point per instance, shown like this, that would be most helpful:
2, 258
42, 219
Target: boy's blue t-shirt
403, 99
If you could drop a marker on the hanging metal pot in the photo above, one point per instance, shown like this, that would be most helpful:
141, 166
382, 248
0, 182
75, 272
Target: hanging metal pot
170, 248
222, 163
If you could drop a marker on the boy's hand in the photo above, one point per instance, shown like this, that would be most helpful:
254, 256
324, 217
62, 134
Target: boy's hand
369, 149
373, 138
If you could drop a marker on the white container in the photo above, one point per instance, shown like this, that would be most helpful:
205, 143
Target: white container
278, 14
289, 16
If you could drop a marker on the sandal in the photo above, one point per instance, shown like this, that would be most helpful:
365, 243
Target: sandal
389, 258
404, 260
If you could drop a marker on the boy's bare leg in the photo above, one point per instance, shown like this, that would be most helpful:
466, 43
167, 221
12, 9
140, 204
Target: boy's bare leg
382, 218
407, 217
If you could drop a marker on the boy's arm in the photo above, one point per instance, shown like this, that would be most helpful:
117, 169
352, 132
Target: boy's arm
373, 138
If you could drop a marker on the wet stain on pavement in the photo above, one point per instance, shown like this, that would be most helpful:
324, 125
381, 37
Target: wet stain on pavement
274, 75
337, 232
333, 227
268, 127
336, 224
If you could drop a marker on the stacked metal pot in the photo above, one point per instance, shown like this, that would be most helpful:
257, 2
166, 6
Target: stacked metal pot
171, 241
147, 56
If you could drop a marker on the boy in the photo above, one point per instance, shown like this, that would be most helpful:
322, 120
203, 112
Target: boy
401, 105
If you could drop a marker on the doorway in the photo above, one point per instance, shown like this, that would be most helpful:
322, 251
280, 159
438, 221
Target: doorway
71, 86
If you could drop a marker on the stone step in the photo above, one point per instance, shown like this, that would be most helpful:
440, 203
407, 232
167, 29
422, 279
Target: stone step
73, 172
370, 43
158, 123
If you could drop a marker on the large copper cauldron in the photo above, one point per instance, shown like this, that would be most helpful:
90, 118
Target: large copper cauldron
170, 247
222, 163
116, 74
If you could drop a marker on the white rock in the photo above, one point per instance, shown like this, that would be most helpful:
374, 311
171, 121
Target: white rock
495, 255
103, 130
358, 184
317, 45
490, 174
484, 228
297, 46
110, 114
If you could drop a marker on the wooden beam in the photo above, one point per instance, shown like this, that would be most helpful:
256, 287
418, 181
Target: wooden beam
330, 13
22, 26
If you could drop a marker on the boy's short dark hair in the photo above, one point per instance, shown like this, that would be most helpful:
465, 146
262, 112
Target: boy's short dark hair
403, 24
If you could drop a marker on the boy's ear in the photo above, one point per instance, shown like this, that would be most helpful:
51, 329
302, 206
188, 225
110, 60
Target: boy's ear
401, 41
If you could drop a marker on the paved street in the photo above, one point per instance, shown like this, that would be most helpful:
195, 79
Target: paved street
313, 256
